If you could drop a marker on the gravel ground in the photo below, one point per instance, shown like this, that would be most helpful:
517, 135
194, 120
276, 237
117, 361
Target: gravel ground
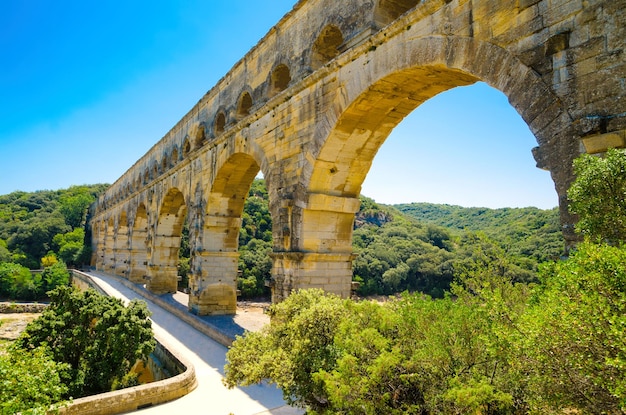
12, 324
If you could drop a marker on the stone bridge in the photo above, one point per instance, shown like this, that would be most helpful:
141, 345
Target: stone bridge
310, 105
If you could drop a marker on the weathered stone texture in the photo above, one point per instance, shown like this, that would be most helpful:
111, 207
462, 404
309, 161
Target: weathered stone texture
310, 105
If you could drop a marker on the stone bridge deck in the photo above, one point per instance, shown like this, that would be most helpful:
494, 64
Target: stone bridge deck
205, 353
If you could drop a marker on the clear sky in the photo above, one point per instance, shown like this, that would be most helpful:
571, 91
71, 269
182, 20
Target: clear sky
86, 88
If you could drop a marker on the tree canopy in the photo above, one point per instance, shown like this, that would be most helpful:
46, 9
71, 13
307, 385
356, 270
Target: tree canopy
497, 343
96, 336
30, 222
598, 196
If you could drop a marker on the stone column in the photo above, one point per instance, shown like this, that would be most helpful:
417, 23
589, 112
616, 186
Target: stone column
162, 279
213, 286
291, 271
214, 265
122, 253
138, 265
318, 252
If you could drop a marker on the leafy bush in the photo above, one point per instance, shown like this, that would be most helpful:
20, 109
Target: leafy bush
31, 382
572, 339
54, 276
598, 196
97, 336
411, 355
17, 282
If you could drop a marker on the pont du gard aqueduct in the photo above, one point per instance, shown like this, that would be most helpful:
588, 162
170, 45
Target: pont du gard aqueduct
313, 101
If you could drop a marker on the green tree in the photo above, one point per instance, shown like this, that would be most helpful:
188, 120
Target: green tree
54, 276
598, 196
97, 336
18, 283
571, 341
70, 245
411, 355
297, 344
31, 382
73, 205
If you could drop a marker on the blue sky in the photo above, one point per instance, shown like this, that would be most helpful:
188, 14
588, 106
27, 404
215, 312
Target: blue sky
87, 88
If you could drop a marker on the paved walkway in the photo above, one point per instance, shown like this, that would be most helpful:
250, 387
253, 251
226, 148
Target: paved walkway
208, 359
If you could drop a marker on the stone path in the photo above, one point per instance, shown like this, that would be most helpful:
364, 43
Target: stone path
208, 359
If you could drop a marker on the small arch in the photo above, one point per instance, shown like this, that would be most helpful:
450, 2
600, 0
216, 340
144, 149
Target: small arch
220, 123
146, 176
280, 79
174, 159
200, 136
164, 163
389, 10
186, 147
326, 46
245, 104
155, 170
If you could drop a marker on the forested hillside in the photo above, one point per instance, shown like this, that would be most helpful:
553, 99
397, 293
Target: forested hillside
44, 229
36, 223
423, 249
525, 231
397, 251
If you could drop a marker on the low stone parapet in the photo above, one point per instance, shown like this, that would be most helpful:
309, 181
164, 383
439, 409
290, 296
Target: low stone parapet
136, 397
8, 308
141, 396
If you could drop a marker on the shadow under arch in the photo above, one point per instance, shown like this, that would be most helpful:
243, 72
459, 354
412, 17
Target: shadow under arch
214, 263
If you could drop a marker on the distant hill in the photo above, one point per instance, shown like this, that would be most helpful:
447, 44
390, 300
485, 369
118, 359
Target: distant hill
525, 231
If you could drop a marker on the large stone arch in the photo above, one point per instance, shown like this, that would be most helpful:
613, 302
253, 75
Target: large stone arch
377, 91
215, 256
163, 267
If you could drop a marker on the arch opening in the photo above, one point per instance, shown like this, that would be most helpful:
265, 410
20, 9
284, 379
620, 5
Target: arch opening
389, 10
186, 148
220, 123
327, 46
473, 149
280, 79
354, 140
244, 105
200, 136
214, 267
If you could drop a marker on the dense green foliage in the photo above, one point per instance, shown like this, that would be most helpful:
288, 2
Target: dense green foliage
598, 196
571, 342
527, 232
497, 347
96, 336
396, 252
18, 283
30, 382
33, 224
255, 242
